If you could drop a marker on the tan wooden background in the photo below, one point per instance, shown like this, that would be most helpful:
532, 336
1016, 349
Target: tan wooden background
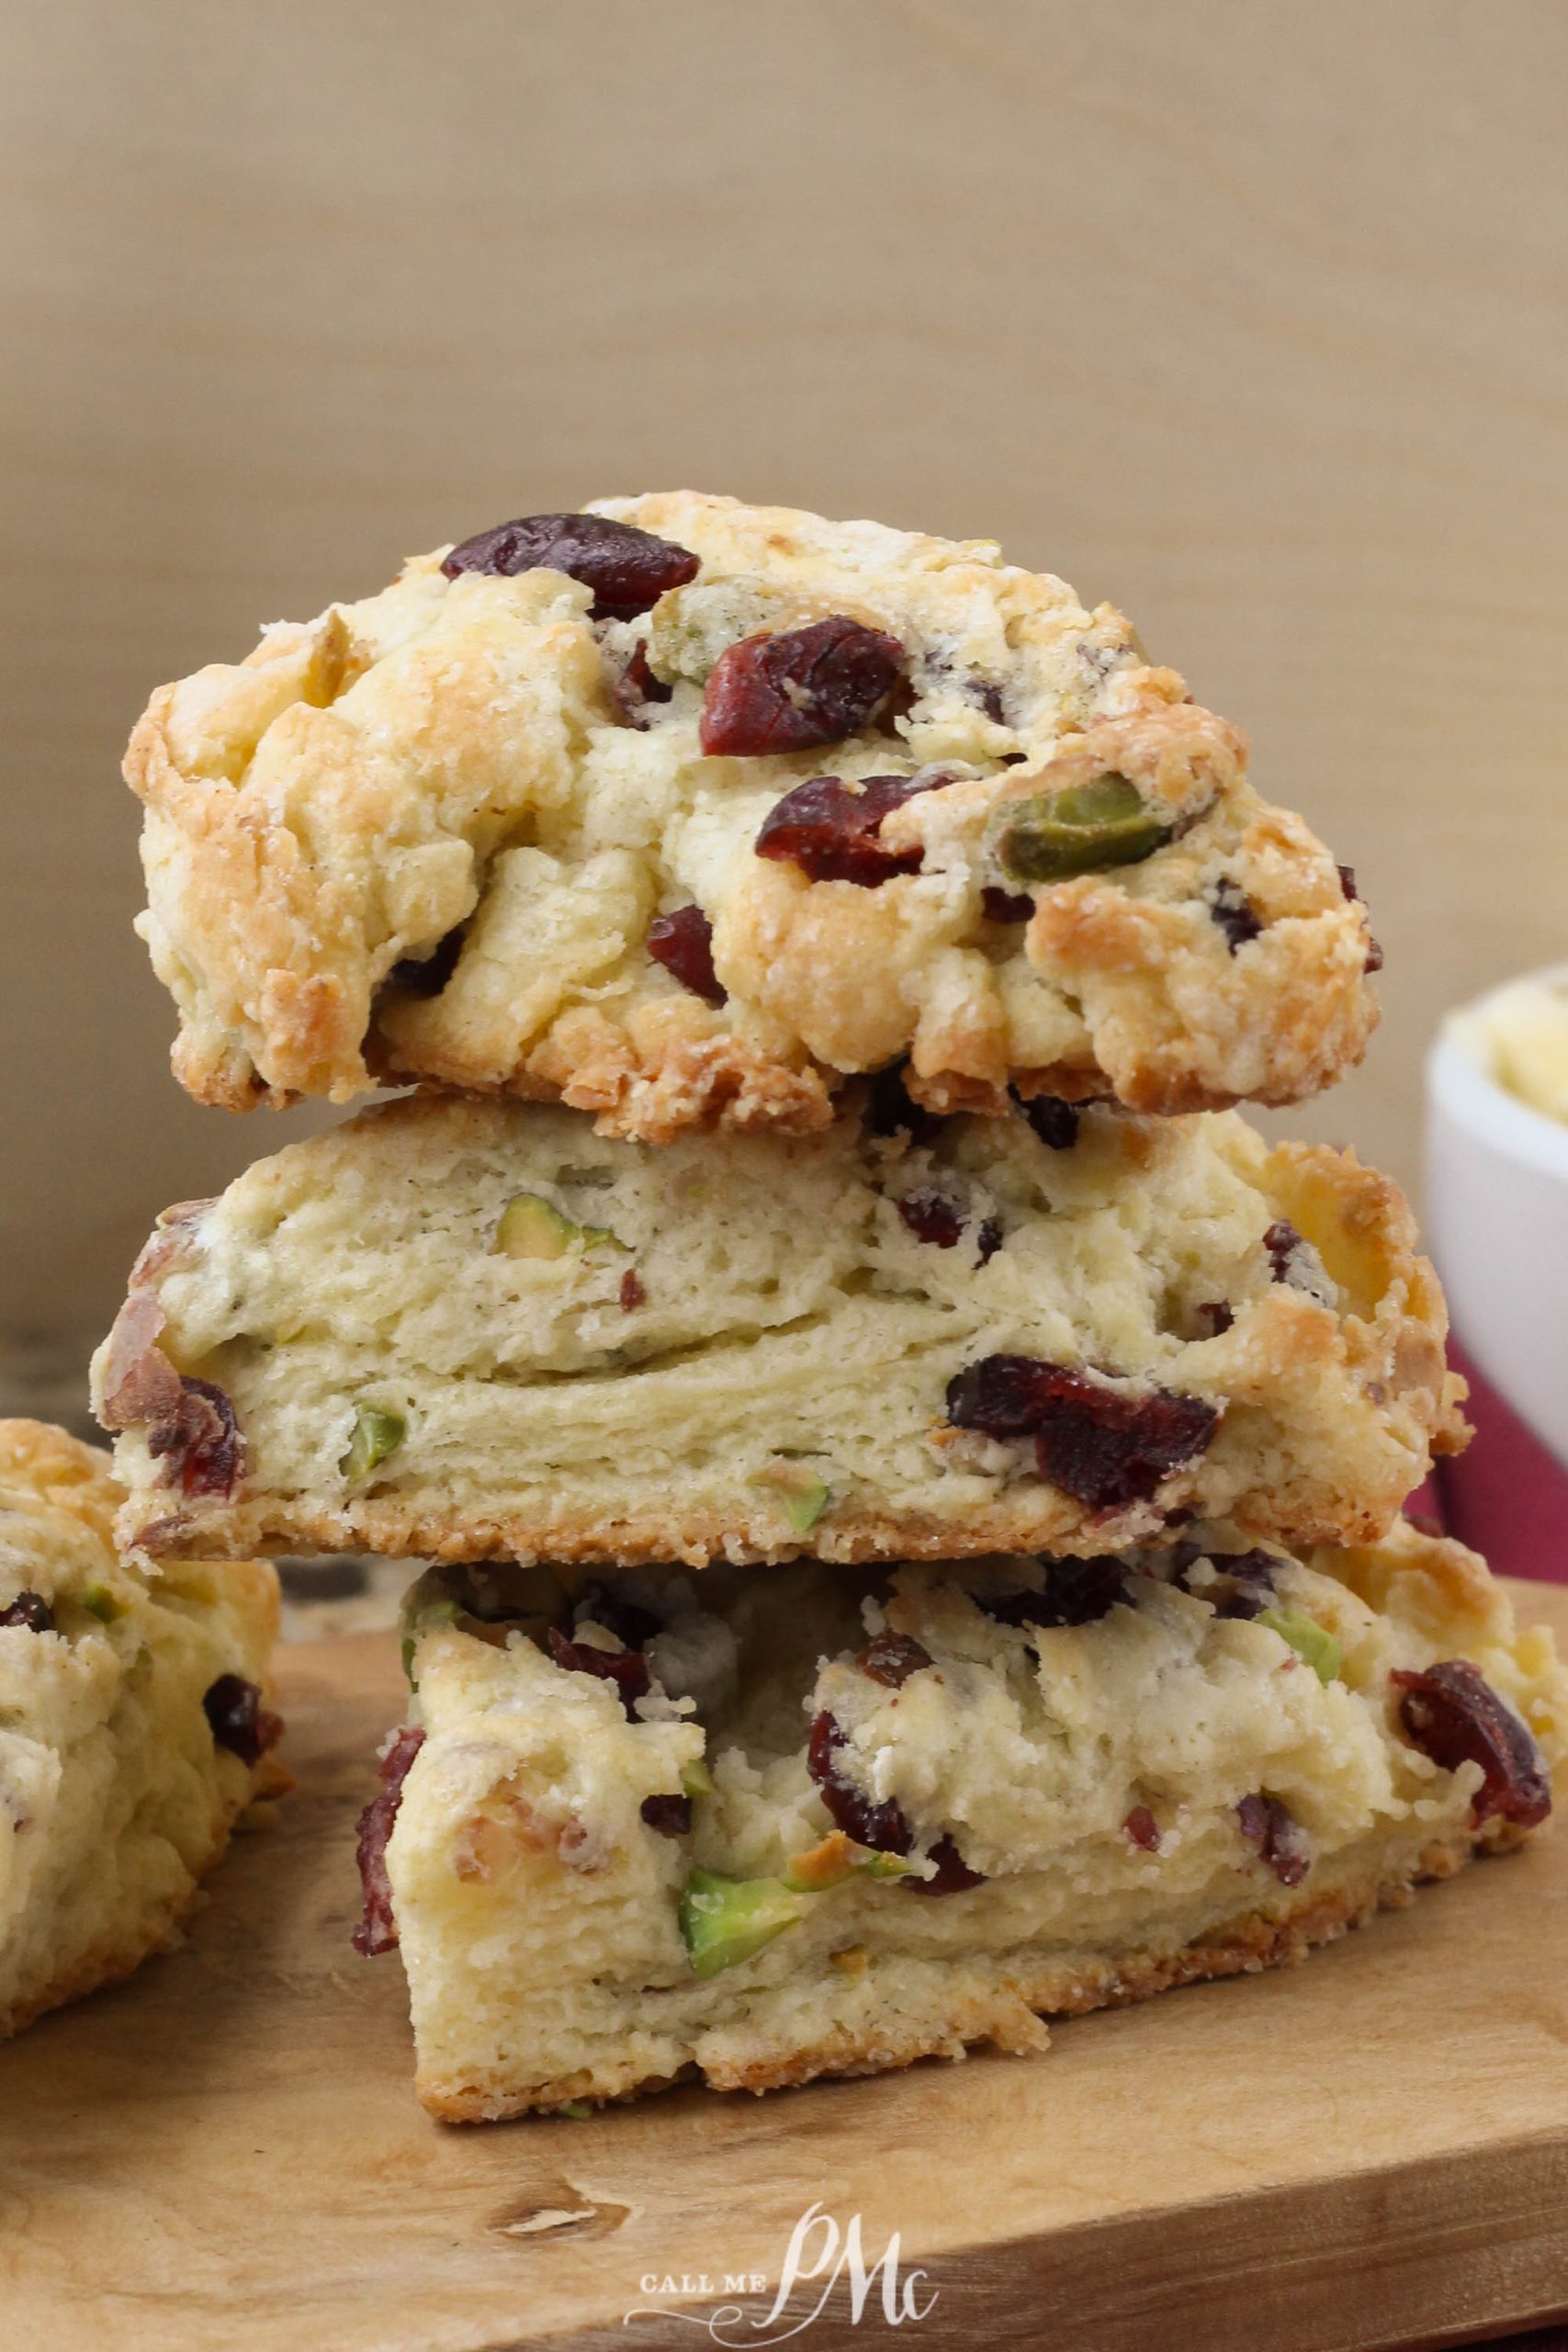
1248, 315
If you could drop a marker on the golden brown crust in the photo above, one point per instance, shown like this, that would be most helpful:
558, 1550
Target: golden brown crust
441, 758
1034, 1519
1007, 2013
61, 1471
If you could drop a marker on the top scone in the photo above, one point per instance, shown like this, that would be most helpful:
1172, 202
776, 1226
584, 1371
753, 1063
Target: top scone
515, 824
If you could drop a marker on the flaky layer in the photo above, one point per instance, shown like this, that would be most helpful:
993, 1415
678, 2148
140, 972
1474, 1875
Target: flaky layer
1194, 1766
426, 835
116, 1797
746, 1348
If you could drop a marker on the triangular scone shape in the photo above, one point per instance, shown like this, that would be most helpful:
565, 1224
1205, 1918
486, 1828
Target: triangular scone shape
768, 1827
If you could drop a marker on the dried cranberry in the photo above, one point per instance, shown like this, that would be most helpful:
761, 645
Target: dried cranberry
987, 694
954, 1875
683, 942
1005, 1396
1347, 881
1076, 1592
828, 828
238, 1720
932, 1216
1453, 1715
671, 1816
1243, 1585
1282, 1241
1106, 1446
1228, 907
881, 1826
890, 1111
1213, 1318
1278, 1839
627, 1669
31, 1609
988, 1240
1055, 1122
201, 1437
1005, 906
377, 1931
1142, 1829
427, 977
634, 1626
635, 686
627, 569
633, 1295
797, 689
1374, 957
891, 1658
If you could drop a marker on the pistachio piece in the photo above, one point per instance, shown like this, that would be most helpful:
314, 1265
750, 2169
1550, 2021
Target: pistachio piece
805, 1495
1312, 1641
377, 1433
696, 1780
724, 1921
827, 1864
532, 1226
836, 1858
421, 1618
100, 1602
1079, 830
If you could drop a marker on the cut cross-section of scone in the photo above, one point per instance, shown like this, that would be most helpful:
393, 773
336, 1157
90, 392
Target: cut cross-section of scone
770, 1827
465, 1329
133, 1725
679, 809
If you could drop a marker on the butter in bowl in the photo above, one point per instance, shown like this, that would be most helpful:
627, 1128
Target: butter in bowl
1497, 1190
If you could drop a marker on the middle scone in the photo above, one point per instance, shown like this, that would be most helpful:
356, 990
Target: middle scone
478, 1330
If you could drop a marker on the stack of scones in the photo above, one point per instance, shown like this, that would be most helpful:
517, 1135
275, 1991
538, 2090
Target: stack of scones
908, 1482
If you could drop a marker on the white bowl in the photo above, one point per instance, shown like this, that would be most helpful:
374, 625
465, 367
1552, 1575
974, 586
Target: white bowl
1497, 1209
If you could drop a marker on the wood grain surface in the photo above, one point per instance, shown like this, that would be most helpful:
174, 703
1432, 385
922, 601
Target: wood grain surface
1249, 317
1366, 2151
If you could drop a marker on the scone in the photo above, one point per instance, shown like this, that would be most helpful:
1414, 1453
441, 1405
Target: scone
471, 1330
679, 809
133, 1726
770, 1827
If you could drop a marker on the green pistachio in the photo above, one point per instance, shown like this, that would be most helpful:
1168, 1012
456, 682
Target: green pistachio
886, 1866
532, 1226
1312, 1641
377, 1433
696, 1780
1079, 830
101, 1603
727, 1920
804, 1496
422, 1618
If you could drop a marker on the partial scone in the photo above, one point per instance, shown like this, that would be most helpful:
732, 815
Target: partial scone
132, 1726
473, 1330
515, 824
770, 1827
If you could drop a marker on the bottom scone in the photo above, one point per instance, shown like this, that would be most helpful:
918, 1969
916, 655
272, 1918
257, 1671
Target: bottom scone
133, 1727
805, 1821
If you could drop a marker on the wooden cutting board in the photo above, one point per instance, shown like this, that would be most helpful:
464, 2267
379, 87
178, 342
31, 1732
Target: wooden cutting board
1369, 2150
